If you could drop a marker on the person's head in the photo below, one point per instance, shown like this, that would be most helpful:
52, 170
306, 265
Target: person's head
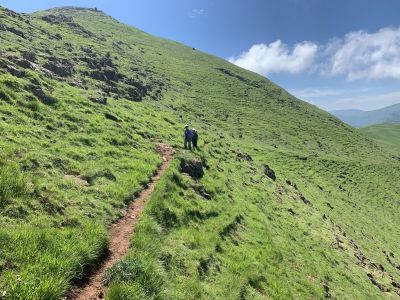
194, 130
186, 126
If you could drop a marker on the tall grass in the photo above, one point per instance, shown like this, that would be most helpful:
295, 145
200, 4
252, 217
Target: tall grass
57, 258
13, 182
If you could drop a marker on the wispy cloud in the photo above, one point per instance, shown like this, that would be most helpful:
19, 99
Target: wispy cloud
311, 93
366, 102
197, 12
323, 93
357, 98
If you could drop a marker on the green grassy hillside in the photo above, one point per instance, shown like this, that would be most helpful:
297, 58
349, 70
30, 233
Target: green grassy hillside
387, 135
85, 99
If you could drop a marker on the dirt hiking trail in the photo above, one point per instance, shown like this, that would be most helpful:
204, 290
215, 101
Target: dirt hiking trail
120, 235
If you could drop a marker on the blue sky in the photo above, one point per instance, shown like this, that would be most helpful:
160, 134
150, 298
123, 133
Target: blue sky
335, 54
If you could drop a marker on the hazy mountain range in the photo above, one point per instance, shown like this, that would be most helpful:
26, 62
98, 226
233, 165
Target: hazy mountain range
361, 118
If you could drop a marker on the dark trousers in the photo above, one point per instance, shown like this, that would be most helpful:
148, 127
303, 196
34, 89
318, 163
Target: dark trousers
188, 143
194, 142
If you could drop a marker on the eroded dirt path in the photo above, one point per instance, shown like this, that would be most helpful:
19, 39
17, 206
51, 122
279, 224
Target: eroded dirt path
120, 235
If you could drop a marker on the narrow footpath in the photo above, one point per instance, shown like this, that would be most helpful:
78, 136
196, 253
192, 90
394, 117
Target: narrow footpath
120, 235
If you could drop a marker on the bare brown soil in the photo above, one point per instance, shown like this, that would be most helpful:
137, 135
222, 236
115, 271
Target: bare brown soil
120, 235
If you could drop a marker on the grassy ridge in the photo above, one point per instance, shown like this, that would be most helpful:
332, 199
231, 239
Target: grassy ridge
260, 237
387, 135
79, 126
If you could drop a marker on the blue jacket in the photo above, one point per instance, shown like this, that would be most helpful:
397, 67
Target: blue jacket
188, 133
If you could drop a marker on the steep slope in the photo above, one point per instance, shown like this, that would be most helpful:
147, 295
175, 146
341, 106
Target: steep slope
85, 99
360, 118
386, 134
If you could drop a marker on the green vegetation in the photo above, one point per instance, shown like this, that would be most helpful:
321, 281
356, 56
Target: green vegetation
84, 100
388, 135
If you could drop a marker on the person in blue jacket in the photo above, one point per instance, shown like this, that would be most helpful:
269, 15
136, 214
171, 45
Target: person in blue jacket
187, 135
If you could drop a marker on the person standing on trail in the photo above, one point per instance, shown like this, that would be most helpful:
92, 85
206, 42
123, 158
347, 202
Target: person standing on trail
195, 137
187, 135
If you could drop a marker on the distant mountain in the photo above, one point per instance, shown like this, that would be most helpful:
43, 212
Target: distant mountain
360, 118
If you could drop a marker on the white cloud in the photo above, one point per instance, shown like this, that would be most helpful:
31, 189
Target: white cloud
363, 55
277, 57
364, 58
356, 56
365, 102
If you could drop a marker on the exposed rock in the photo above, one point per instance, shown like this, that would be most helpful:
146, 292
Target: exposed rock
100, 100
133, 94
376, 283
231, 227
90, 62
106, 61
244, 156
112, 74
29, 55
269, 172
291, 183
69, 46
193, 167
77, 83
108, 89
61, 19
305, 200
106, 74
57, 19
301, 157
135, 83
241, 78
396, 284
390, 259
60, 67
42, 96
86, 50
10, 13
14, 71
80, 29
16, 31
111, 117
201, 190
292, 212
23, 63
327, 291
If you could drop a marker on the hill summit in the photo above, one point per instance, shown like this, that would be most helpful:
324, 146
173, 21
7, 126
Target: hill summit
291, 202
